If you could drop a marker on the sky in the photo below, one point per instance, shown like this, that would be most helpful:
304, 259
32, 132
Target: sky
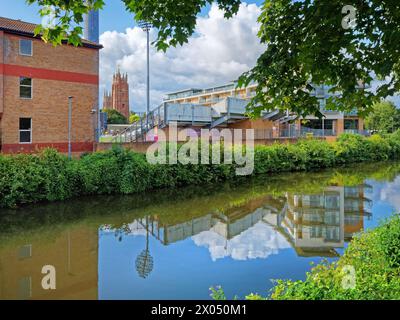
218, 53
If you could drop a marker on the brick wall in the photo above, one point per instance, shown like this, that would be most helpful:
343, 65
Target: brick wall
57, 73
1, 71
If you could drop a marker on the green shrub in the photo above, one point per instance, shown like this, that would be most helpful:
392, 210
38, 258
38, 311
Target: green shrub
379, 148
390, 242
136, 175
100, 173
351, 148
394, 141
319, 154
50, 176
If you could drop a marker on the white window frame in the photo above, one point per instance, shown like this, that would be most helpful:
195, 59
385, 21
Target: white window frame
19, 49
24, 130
24, 85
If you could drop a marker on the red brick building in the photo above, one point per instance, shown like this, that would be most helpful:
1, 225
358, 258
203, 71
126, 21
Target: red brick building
36, 80
119, 98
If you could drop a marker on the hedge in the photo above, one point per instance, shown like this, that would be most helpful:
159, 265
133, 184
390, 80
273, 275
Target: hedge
50, 176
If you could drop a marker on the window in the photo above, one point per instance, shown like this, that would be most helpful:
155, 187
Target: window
25, 88
25, 252
351, 124
25, 288
25, 130
25, 47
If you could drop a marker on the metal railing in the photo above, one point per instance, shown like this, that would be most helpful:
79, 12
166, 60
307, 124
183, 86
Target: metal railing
138, 129
356, 131
295, 133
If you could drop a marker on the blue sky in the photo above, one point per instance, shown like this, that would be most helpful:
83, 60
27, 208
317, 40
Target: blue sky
113, 17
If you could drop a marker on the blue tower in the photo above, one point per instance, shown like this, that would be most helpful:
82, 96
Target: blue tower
91, 31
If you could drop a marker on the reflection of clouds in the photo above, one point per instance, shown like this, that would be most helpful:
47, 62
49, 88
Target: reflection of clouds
391, 193
259, 241
136, 229
132, 229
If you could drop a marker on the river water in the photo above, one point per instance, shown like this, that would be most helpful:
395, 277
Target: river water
176, 244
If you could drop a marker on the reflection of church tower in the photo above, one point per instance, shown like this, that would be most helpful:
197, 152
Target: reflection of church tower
120, 93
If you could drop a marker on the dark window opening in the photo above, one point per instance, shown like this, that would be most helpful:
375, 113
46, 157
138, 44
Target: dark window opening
25, 130
25, 88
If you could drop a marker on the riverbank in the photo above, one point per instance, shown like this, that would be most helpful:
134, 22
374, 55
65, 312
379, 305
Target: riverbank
368, 270
50, 176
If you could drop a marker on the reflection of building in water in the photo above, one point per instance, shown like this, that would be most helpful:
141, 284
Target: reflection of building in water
316, 224
354, 209
228, 224
313, 224
74, 255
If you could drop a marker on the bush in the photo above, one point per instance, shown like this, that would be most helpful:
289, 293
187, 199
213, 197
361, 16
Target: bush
50, 176
390, 242
28, 178
373, 256
351, 148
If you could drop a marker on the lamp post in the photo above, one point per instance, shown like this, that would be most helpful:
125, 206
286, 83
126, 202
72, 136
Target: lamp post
69, 126
146, 26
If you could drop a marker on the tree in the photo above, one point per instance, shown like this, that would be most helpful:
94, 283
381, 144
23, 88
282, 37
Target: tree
133, 118
384, 118
306, 42
114, 117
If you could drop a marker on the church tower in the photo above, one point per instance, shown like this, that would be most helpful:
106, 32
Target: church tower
120, 93
107, 100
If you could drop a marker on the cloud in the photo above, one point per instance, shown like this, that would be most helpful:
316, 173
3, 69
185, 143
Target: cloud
219, 52
391, 194
259, 241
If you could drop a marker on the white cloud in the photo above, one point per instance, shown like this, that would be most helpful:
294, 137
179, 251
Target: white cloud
391, 194
259, 241
219, 52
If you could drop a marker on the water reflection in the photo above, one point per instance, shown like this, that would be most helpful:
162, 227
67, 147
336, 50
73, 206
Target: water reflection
138, 247
312, 224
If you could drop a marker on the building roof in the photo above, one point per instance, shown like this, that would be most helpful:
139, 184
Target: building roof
195, 91
28, 29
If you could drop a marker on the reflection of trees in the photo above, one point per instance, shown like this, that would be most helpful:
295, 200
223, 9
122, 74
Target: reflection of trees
144, 261
121, 232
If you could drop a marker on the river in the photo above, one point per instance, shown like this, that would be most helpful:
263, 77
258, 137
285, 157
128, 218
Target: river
176, 244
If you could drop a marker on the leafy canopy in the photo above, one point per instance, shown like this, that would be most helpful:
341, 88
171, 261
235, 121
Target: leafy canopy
114, 117
384, 118
305, 43
133, 117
